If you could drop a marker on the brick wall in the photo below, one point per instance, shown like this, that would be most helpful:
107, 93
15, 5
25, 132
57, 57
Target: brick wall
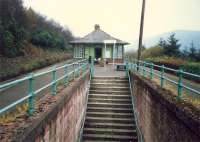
161, 117
63, 121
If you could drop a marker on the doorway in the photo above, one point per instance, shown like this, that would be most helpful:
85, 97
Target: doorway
98, 53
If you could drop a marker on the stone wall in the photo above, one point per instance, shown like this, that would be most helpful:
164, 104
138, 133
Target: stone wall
162, 118
62, 122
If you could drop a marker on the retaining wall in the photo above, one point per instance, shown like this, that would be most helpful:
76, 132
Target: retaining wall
162, 118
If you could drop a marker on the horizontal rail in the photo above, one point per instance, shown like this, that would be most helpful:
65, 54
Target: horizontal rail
148, 67
82, 67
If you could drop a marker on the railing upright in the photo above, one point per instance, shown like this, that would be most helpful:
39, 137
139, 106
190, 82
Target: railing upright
54, 81
180, 84
162, 76
66, 75
144, 69
151, 71
73, 70
31, 100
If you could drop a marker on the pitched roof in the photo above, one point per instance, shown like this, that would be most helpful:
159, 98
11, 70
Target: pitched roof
97, 36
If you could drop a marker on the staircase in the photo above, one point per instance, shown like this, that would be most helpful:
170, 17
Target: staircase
109, 115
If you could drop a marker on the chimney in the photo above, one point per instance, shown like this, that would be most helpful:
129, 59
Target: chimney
96, 27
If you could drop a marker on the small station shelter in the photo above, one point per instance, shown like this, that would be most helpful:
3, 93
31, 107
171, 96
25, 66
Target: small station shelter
99, 45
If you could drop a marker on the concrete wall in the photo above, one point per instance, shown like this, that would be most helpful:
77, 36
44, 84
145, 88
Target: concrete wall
62, 122
162, 117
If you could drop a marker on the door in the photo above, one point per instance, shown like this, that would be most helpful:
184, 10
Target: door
98, 53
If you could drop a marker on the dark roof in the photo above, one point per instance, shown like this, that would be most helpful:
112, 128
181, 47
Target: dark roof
97, 37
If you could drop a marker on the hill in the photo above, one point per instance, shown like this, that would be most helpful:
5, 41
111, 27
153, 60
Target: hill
185, 38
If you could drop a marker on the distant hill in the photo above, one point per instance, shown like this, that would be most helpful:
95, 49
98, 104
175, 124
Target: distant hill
185, 38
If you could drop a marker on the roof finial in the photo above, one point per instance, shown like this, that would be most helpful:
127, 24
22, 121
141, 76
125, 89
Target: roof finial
96, 27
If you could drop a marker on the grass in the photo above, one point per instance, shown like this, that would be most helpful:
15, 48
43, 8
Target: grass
187, 96
34, 58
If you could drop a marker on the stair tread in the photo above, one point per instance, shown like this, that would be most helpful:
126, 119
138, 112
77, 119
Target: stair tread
109, 136
108, 130
109, 108
110, 124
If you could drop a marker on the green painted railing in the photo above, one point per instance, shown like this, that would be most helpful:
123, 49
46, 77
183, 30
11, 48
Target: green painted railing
145, 68
77, 68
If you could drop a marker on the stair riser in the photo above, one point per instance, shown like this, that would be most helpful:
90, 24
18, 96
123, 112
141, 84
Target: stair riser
121, 121
109, 101
110, 89
109, 85
107, 133
109, 97
91, 125
110, 139
109, 115
113, 78
109, 92
109, 110
110, 81
111, 105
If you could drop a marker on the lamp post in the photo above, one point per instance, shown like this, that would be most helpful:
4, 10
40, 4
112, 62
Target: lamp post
141, 32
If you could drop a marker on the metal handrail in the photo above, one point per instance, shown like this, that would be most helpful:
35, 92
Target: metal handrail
141, 139
144, 68
30, 96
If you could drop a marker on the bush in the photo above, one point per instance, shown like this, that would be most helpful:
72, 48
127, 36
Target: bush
155, 51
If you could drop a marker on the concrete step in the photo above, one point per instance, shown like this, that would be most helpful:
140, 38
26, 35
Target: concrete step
109, 78
129, 126
110, 114
122, 101
109, 109
99, 91
111, 137
104, 104
109, 81
110, 96
109, 85
109, 120
111, 88
108, 131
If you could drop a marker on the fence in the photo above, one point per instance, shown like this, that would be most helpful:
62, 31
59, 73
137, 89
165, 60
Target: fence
76, 67
148, 68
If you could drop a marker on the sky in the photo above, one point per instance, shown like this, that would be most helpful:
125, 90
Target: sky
121, 18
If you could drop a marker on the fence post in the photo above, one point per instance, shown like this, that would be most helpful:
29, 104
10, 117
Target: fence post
92, 68
127, 68
54, 81
151, 72
144, 72
67, 76
180, 84
73, 69
162, 76
31, 101
78, 69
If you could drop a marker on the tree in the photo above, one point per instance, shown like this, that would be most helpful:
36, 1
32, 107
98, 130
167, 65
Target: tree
162, 43
172, 46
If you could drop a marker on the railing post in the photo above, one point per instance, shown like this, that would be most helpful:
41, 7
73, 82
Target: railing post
162, 76
67, 76
127, 68
144, 67
31, 101
73, 69
151, 72
54, 81
180, 84
78, 69
92, 68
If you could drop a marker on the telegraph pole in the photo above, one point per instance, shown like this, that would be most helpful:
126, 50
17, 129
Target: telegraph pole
141, 31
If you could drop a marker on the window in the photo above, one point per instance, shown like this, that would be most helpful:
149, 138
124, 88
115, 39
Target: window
78, 52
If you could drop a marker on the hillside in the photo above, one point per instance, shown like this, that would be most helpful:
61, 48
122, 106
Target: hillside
185, 38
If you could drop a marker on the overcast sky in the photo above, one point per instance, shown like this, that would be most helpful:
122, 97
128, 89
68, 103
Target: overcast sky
121, 18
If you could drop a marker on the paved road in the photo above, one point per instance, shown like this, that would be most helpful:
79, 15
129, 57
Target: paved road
11, 94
